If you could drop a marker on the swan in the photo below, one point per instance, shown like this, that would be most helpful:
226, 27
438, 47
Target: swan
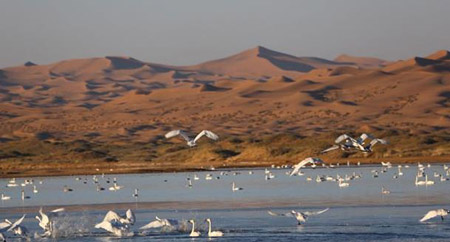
350, 143
15, 227
115, 187
4, 198
385, 191
213, 233
35, 190
160, 222
45, 221
23, 196
116, 224
301, 217
297, 167
343, 184
192, 142
434, 213
193, 232
136, 194
424, 183
67, 189
234, 188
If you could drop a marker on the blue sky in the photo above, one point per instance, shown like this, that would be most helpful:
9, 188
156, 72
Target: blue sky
183, 32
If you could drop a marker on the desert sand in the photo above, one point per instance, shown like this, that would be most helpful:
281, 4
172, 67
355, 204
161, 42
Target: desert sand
267, 107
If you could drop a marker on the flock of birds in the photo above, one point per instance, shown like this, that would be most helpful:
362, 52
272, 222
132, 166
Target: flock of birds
121, 225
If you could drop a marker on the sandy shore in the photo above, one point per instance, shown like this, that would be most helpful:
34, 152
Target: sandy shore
123, 167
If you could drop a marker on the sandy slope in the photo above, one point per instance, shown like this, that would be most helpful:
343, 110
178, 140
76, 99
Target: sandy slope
256, 93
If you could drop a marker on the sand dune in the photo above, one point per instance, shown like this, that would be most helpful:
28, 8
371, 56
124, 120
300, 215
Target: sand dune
258, 92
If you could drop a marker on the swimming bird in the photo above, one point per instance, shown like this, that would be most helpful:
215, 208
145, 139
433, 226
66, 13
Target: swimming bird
343, 184
192, 142
136, 194
424, 183
385, 191
4, 198
434, 213
193, 232
309, 160
301, 217
160, 222
213, 233
234, 188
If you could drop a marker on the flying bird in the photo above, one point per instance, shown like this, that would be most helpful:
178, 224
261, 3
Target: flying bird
192, 142
301, 217
160, 222
309, 160
434, 213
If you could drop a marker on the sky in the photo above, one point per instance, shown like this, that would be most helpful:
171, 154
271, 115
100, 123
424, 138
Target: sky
186, 32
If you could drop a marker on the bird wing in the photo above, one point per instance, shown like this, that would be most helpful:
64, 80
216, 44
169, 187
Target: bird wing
343, 137
152, 225
300, 165
316, 212
363, 137
174, 133
130, 216
208, 134
374, 141
58, 210
334, 147
280, 214
112, 216
17, 223
4, 226
431, 214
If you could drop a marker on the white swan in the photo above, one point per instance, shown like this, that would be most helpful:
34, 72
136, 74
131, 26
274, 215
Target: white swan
192, 142
352, 143
213, 233
309, 160
385, 191
116, 224
234, 188
193, 232
301, 217
434, 213
160, 222
4, 198
424, 183
15, 227
45, 221
343, 184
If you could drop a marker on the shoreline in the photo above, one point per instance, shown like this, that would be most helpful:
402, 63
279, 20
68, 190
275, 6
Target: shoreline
122, 167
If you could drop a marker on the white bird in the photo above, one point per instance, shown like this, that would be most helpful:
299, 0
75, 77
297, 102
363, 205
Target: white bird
160, 222
16, 228
115, 187
343, 184
234, 188
434, 213
309, 160
192, 142
424, 183
213, 233
136, 193
46, 220
35, 190
385, 191
4, 198
301, 217
116, 224
193, 232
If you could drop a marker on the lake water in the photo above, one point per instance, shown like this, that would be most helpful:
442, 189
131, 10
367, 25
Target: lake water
358, 212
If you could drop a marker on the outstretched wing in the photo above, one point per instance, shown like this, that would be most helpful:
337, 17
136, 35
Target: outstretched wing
334, 147
5, 225
280, 214
17, 223
112, 216
316, 212
363, 137
342, 138
152, 225
208, 134
431, 214
375, 141
300, 165
174, 133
